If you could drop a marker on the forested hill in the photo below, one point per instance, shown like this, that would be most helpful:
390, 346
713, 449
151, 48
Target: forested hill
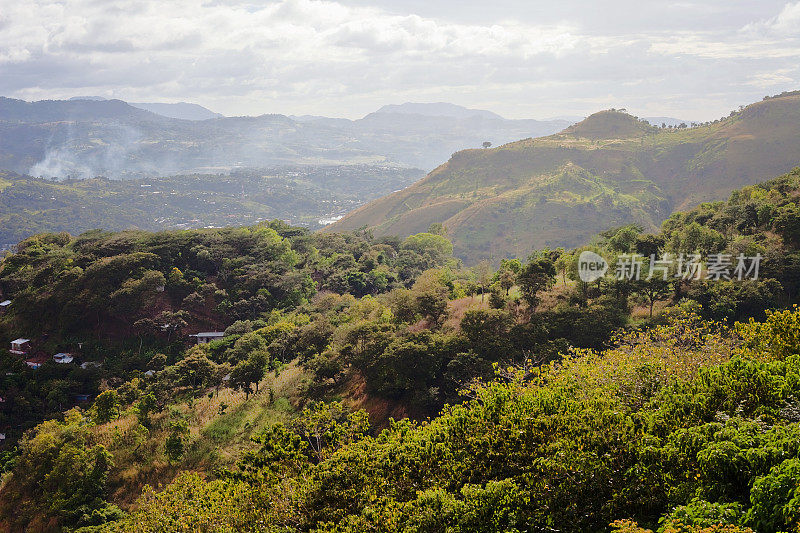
542, 403
611, 169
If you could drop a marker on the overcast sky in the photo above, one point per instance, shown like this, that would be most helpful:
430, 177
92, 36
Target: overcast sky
694, 60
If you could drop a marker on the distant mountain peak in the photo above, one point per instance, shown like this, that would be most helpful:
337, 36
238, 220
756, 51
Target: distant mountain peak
609, 124
180, 110
438, 109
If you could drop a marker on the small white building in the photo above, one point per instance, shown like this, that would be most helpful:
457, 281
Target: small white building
20, 346
4, 305
208, 336
63, 358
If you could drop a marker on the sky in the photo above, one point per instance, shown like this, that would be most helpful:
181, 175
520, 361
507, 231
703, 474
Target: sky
694, 60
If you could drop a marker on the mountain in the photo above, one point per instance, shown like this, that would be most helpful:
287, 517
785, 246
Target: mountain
608, 170
44, 112
438, 109
86, 138
181, 110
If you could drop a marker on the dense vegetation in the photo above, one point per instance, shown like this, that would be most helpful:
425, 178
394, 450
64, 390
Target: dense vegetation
523, 398
686, 428
609, 170
128, 300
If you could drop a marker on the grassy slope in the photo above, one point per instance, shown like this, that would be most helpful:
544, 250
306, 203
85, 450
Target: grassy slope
606, 171
215, 440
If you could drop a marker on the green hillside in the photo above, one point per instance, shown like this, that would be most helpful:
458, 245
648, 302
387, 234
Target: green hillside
611, 169
653, 404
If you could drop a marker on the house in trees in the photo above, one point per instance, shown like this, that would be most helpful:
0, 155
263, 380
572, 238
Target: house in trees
207, 336
63, 358
36, 362
20, 346
4, 306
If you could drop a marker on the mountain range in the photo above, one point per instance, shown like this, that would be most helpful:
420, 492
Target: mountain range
181, 110
610, 169
88, 137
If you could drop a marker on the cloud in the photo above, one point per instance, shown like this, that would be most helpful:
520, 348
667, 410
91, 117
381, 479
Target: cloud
785, 23
346, 57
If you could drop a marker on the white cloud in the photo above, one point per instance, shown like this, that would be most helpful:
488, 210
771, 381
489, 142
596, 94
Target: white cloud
785, 23
336, 58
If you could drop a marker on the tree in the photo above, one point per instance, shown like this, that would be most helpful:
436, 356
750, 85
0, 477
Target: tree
648, 245
430, 295
218, 375
328, 426
248, 372
106, 406
436, 245
145, 406
244, 346
622, 240
486, 144
563, 264
60, 475
174, 445
506, 279
537, 275
172, 322
487, 331
437, 228
787, 223
195, 369
652, 290
483, 274
497, 300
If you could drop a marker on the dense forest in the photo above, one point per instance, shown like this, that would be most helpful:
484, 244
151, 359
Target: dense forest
376, 384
